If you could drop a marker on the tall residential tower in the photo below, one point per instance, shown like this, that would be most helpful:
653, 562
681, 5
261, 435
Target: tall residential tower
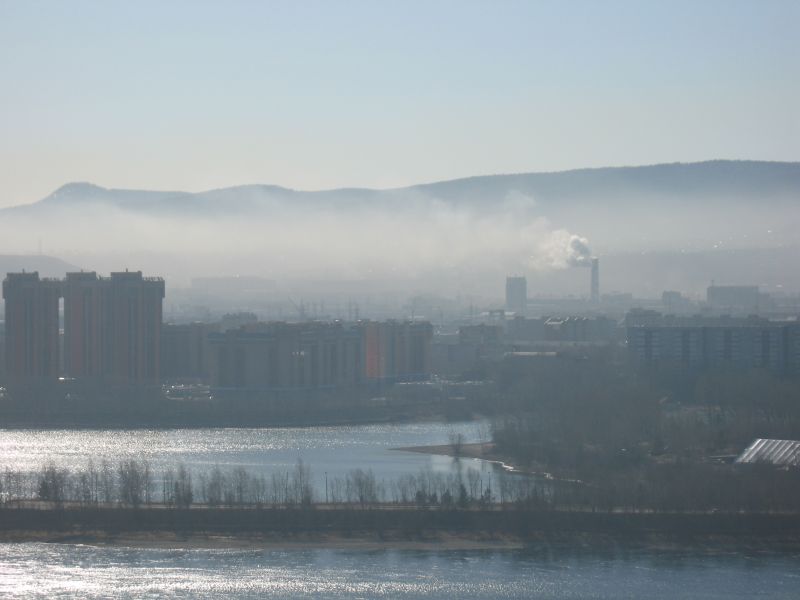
31, 321
112, 328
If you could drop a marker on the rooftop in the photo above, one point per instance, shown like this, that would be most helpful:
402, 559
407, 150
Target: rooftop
774, 452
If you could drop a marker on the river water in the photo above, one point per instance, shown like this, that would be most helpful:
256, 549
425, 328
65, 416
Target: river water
541, 571
329, 451
74, 571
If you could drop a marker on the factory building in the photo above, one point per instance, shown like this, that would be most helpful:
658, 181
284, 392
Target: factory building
561, 329
734, 298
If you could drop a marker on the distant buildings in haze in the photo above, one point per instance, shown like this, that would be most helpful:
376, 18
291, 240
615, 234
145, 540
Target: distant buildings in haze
274, 358
516, 295
713, 342
113, 339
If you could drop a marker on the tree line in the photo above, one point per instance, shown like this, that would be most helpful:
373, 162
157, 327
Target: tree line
134, 483
673, 487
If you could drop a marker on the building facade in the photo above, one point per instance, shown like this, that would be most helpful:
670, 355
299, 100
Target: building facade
288, 357
185, 352
31, 329
112, 328
714, 342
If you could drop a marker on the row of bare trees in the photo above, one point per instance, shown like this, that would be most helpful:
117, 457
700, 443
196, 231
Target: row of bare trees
676, 487
134, 483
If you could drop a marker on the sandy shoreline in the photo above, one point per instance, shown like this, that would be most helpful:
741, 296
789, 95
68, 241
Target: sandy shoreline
479, 450
476, 450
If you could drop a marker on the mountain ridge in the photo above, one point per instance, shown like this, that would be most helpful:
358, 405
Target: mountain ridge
673, 178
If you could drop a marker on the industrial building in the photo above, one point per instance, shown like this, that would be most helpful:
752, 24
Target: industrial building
779, 453
734, 298
561, 329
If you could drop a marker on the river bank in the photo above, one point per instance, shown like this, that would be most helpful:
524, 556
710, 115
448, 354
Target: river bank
393, 526
480, 450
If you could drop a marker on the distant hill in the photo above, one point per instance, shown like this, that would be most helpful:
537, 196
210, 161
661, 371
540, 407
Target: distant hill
47, 266
556, 191
711, 178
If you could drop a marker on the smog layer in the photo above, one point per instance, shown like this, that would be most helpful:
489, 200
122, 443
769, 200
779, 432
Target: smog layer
729, 220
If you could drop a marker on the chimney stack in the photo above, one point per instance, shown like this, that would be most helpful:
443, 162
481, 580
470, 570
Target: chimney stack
595, 290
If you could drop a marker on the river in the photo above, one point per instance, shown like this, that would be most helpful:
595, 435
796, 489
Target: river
539, 571
76, 571
329, 451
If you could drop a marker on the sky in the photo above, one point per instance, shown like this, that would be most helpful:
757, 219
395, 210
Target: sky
195, 95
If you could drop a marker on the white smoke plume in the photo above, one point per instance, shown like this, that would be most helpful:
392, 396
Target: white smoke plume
560, 249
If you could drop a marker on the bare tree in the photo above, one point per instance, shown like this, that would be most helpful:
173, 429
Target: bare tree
133, 482
52, 485
302, 491
182, 486
107, 482
456, 443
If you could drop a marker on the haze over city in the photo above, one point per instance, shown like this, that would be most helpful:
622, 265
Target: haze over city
456, 299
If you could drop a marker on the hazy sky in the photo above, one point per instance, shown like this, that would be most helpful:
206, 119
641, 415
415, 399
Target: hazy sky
195, 95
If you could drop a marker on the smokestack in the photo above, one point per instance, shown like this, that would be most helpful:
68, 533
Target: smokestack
595, 291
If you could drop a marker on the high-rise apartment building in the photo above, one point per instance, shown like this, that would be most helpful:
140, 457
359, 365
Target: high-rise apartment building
112, 328
132, 337
85, 300
31, 323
